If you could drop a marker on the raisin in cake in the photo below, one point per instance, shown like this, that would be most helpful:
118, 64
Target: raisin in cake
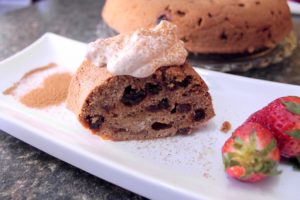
157, 95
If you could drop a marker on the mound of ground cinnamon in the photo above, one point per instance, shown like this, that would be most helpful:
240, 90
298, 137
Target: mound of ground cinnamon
42, 87
11, 90
53, 92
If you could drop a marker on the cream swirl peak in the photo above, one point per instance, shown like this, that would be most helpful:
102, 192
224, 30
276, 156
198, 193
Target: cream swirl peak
140, 53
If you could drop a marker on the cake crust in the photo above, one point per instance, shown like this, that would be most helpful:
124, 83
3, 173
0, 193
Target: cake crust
224, 26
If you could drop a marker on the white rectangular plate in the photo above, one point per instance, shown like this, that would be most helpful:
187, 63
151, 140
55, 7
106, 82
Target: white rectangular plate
181, 167
294, 7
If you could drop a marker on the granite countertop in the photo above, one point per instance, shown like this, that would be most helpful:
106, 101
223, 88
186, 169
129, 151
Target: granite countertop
28, 173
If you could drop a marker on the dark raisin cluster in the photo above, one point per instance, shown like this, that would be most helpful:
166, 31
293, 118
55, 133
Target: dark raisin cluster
163, 104
181, 108
174, 84
183, 131
95, 122
199, 114
152, 88
185, 81
132, 96
161, 18
160, 126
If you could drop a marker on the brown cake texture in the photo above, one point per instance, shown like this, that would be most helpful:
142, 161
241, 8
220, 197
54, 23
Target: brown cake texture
172, 101
206, 26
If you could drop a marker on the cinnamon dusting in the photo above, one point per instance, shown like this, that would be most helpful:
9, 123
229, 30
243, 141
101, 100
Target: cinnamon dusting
11, 90
53, 92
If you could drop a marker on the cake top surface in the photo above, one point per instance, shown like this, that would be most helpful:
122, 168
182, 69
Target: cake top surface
139, 53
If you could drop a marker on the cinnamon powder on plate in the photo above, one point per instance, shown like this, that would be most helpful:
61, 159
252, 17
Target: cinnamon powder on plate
52, 90
11, 90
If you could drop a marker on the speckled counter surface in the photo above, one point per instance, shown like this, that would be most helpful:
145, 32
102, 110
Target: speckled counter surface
27, 173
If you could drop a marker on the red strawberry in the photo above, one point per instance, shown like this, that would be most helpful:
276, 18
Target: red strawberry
251, 153
282, 118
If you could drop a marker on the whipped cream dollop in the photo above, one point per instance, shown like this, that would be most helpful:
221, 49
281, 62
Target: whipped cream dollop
140, 53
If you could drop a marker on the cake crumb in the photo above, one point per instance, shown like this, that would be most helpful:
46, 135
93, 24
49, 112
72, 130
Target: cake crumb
226, 126
206, 175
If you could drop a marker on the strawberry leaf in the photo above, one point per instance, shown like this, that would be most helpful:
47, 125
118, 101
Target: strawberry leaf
268, 149
295, 133
271, 168
238, 140
226, 160
298, 159
292, 107
252, 141
274, 172
238, 143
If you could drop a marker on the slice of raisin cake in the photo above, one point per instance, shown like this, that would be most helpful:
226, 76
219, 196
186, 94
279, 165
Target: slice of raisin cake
133, 98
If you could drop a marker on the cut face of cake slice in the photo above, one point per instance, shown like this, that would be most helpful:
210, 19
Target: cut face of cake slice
173, 100
162, 101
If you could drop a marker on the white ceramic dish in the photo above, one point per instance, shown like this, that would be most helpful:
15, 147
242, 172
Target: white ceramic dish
294, 7
183, 167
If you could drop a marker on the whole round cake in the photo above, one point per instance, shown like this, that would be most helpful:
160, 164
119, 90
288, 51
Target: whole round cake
208, 27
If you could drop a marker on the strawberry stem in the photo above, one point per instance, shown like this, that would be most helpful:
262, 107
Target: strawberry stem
252, 159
